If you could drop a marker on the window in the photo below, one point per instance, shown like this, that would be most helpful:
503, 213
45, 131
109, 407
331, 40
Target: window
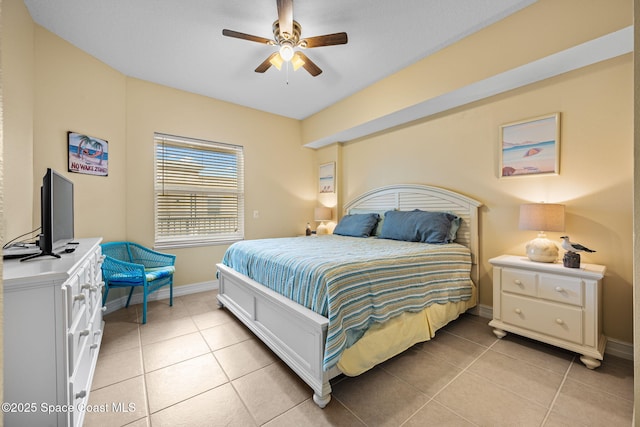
199, 192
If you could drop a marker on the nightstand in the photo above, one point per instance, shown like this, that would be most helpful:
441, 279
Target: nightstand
550, 303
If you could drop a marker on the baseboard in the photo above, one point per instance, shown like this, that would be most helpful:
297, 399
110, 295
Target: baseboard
621, 349
163, 293
614, 347
485, 311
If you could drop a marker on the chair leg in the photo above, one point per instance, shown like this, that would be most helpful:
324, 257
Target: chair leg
129, 299
144, 306
171, 293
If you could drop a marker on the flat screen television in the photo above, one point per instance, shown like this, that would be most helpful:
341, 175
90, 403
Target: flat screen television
56, 217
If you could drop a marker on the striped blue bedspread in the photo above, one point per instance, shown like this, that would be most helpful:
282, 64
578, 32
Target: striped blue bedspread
355, 282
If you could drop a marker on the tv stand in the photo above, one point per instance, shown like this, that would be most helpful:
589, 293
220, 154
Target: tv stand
43, 253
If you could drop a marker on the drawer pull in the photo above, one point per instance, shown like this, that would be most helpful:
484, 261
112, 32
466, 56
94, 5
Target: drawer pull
82, 394
84, 333
559, 321
93, 346
79, 297
518, 282
559, 289
518, 311
90, 287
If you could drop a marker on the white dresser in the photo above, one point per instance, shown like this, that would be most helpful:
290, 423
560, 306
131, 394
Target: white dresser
550, 303
52, 334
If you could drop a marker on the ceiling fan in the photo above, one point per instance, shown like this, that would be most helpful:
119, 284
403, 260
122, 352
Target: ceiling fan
286, 34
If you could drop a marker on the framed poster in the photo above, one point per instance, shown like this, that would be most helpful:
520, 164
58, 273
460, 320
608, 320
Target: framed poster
327, 182
87, 154
530, 147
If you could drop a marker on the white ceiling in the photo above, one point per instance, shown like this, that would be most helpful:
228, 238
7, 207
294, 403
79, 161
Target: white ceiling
179, 43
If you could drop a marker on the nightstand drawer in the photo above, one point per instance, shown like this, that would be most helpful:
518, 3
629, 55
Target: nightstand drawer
561, 289
560, 321
519, 282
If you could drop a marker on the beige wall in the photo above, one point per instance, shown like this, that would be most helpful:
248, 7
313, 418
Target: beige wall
636, 215
458, 149
17, 59
279, 181
75, 92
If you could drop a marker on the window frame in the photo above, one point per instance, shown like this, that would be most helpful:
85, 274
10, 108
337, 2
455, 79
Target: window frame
200, 192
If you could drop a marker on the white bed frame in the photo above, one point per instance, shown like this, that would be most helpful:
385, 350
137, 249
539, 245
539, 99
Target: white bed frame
296, 334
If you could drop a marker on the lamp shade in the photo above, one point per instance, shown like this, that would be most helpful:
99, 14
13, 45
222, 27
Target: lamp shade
542, 217
322, 214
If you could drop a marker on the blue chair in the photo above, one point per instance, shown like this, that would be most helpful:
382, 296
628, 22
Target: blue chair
128, 264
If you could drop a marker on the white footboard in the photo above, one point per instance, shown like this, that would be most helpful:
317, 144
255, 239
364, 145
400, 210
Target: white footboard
296, 334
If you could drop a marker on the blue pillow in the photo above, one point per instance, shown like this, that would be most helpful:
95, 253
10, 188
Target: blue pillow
378, 229
357, 225
417, 226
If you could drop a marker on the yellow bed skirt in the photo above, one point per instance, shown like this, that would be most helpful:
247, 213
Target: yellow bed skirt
383, 341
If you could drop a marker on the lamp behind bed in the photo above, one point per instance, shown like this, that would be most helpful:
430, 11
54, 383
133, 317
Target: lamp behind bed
322, 214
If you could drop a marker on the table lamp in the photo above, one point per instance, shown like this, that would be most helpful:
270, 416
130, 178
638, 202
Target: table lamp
542, 217
322, 214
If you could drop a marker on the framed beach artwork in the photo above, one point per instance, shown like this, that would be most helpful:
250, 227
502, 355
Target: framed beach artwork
326, 178
530, 147
87, 154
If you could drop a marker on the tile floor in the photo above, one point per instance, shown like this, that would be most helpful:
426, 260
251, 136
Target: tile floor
194, 365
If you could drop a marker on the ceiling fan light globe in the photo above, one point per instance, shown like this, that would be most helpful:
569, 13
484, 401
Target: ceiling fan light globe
276, 61
286, 52
297, 62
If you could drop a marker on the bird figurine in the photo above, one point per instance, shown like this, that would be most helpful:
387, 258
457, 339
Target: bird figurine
574, 247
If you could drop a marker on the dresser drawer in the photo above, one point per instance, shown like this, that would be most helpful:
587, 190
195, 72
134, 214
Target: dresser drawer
78, 291
562, 289
519, 282
80, 383
96, 326
556, 320
77, 337
75, 298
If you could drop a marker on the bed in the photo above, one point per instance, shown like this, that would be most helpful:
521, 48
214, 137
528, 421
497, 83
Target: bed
364, 310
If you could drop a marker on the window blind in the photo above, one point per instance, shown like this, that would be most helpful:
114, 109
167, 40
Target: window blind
199, 192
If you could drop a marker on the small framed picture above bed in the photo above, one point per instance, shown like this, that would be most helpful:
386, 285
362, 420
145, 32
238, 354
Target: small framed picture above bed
327, 178
530, 147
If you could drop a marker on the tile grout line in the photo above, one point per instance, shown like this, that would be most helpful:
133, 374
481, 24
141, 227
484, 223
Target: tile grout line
144, 373
433, 398
344, 405
555, 397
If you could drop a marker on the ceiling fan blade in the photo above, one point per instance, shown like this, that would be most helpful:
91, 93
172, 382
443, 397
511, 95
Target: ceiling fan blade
285, 17
326, 40
243, 36
308, 65
266, 63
